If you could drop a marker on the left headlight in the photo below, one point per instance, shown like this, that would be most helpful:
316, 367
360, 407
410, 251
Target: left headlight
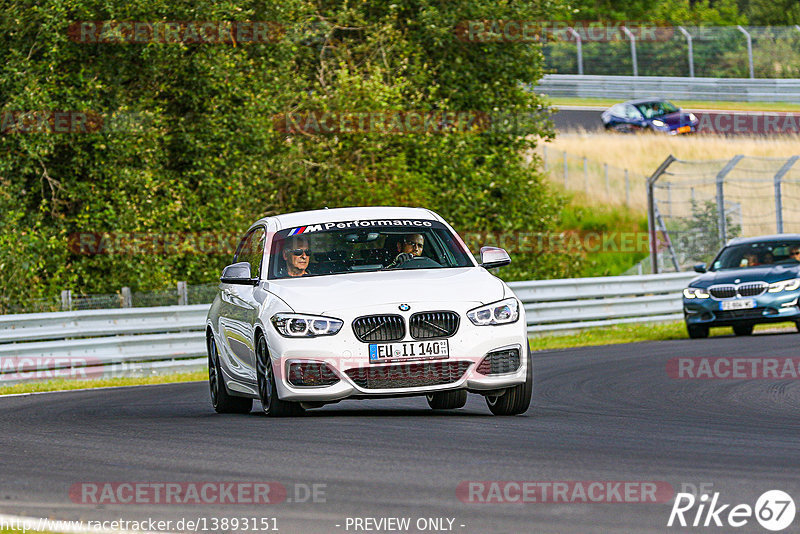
784, 285
659, 123
692, 117
695, 293
301, 325
502, 312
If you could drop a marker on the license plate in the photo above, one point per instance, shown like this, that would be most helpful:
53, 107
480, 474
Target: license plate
684, 129
408, 350
745, 304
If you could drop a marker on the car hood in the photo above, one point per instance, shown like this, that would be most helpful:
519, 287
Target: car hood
767, 273
675, 119
323, 294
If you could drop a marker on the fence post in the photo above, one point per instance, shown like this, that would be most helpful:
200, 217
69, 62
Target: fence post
749, 49
633, 49
723, 230
605, 172
669, 199
651, 210
580, 49
66, 300
691, 50
127, 298
565, 169
627, 189
585, 175
778, 194
183, 294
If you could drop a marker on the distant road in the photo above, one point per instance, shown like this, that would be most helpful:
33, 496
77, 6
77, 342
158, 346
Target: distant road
571, 118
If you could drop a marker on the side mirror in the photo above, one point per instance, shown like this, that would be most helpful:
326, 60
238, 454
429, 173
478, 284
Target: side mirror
238, 273
700, 268
494, 257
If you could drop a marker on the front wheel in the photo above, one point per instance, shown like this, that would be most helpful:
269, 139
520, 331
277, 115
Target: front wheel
267, 388
221, 400
697, 331
447, 400
515, 400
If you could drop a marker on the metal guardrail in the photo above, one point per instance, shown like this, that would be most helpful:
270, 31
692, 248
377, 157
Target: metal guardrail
675, 88
145, 340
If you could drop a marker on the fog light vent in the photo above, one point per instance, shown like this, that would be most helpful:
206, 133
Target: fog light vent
313, 374
500, 362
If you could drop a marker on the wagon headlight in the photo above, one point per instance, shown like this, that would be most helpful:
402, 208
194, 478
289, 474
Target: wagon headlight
692, 117
301, 325
784, 285
695, 293
501, 312
659, 123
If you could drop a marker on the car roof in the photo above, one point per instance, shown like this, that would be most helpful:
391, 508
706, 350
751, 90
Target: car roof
645, 100
304, 218
762, 239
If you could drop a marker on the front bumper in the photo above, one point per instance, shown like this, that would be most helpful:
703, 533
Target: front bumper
348, 358
769, 308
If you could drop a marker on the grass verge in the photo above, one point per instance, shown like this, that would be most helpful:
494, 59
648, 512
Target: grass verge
632, 333
67, 384
687, 104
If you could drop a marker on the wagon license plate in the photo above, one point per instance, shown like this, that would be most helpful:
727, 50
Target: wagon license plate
744, 304
408, 350
684, 129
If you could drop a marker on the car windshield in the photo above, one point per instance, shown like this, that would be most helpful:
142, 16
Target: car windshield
757, 254
657, 108
360, 246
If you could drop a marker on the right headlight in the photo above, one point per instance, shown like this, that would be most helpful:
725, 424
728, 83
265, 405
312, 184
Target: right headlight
502, 312
301, 325
695, 293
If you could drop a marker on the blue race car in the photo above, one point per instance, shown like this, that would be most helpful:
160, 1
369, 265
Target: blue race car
651, 114
751, 281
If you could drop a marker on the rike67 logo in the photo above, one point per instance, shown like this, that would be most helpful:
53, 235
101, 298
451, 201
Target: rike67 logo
774, 510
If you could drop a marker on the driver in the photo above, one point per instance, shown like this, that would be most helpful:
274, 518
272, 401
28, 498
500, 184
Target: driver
296, 254
794, 252
410, 247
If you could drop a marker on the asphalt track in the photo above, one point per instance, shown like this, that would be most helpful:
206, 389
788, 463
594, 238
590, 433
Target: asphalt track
604, 413
574, 118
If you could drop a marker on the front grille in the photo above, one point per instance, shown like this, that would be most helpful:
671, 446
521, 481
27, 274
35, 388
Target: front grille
410, 375
379, 328
499, 362
751, 313
428, 325
314, 374
752, 289
727, 291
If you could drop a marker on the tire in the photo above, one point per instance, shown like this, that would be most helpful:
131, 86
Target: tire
797, 325
267, 388
221, 400
517, 399
697, 331
743, 329
447, 400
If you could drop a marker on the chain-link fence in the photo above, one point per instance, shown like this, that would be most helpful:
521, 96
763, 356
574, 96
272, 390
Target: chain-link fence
715, 52
183, 293
696, 206
600, 182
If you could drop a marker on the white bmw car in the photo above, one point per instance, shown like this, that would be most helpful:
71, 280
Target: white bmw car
359, 303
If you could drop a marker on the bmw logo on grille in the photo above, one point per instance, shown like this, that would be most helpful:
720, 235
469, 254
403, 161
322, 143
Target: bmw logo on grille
404, 307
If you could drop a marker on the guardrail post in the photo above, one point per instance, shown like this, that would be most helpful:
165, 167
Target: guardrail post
183, 294
66, 300
580, 49
565, 169
749, 49
723, 230
691, 50
127, 298
778, 194
633, 49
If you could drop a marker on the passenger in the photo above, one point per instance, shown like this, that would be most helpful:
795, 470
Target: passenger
297, 255
749, 259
